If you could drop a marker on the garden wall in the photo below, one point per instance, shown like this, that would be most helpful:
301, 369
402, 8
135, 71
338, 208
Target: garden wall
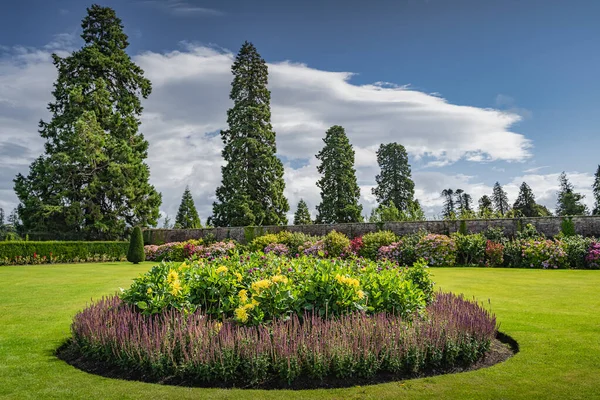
550, 226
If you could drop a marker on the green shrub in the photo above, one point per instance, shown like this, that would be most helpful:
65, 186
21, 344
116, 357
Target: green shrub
462, 229
543, 254
470, 249
513, 254
30, 252
259, 243
136, 254
336, 244
567, 227
494, 234
373, 241
529, 232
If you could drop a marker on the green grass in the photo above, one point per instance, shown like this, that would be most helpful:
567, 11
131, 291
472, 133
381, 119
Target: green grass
554, 315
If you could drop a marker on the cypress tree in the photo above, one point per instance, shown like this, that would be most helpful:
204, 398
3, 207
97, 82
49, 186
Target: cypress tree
525, 202
596, 192
136, 247
302, 215
187, 216
92, 180
252, 186
339, 190
569, 202
394, 182
500, 200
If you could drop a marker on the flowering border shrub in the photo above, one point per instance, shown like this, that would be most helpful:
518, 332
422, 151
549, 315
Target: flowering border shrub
544, 254
593, 255
494, 254
437, 250
279, 249
196, 349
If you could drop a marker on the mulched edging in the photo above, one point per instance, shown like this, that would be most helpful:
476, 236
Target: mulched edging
501, 349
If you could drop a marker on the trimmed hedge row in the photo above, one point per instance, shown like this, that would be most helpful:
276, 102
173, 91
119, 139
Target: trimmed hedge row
28, 252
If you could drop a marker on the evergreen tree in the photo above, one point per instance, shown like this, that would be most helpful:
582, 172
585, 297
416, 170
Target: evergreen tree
458, 200
92, 179
167, 223
448, 211
500, 200
136, 254
486, 207
252, 186
569, 202
394, 183
187, 216
302, 215
525, 203
339, 191
596, 191
2, 222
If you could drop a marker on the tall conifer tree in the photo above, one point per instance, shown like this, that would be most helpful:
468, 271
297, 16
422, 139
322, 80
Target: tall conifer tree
500, 200
569, 202
92, 180
596, 192
394, 182
339, 190
187, 216
252, 186
525, 202
302, 215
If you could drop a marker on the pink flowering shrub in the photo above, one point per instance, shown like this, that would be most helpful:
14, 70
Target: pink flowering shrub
593, 256
494, 254
356, 245
437, 250
316, 249
538, 253
277, 248
392, 252
179, 251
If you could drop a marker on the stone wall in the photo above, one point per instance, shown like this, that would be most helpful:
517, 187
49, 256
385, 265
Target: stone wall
550, 226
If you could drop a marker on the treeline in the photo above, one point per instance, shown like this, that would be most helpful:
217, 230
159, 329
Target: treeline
92, 181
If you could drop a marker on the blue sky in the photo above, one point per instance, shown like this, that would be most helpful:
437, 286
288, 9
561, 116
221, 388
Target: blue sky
536, 61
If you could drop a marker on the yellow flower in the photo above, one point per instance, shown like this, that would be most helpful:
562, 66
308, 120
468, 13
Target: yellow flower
249, 306
344, 280
222, 269
259, 286
176, 288
239, 276
241, 314
217, 327
279, 279
149, 291
361, 294
172, 276
254, 302
243, 295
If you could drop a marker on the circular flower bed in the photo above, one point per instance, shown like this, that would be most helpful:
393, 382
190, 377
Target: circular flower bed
268, 321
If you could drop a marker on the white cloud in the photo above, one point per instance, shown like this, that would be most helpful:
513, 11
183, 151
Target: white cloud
190, 99
181, 8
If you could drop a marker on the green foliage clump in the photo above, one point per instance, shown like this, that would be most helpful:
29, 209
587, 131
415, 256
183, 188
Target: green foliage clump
373, 241
539, 253
494, 234
30, 252
576, 248
529, 232
336, 244
136, 254
256, 289
295, 240
569, 202
470, 249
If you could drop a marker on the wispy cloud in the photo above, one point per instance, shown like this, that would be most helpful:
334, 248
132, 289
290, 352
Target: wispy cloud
536, 169
182, 8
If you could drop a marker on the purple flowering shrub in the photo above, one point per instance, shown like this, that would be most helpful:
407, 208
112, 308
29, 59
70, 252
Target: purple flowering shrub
201, 350
540, 253
437, 250
278, 249
593, 256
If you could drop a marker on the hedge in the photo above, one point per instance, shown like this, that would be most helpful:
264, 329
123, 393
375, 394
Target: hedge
29, 252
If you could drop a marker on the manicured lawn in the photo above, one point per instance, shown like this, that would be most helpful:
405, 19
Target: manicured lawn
554, 315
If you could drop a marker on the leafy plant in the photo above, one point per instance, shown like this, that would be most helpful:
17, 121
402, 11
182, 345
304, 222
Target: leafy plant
371, 242
136, 247
470, 248
437, 250
336, 244
494, 254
